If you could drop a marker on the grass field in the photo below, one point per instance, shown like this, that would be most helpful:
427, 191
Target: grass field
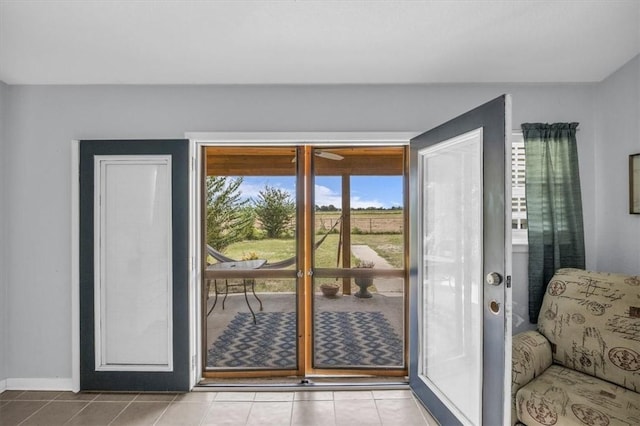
388, 246
382, 230
365, 221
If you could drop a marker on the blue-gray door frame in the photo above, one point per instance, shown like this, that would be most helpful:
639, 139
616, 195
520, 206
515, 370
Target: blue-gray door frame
178, 379
493, 118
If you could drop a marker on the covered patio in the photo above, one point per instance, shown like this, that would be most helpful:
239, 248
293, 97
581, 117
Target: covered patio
349, 332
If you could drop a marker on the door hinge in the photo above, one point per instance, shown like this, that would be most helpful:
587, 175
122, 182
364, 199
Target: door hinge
193, 362
508, 281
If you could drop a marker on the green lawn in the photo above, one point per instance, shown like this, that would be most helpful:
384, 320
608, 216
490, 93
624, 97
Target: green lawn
388, 246
273, 250
379, 229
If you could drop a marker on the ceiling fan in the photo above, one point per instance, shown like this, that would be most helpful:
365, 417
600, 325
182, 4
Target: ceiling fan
325, 154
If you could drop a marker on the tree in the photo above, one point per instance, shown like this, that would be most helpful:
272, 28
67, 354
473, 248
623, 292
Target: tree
229, 218
329, 208
275, 209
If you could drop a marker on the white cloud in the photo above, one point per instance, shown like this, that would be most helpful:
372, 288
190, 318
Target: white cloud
326, 196
357, 203
252, 190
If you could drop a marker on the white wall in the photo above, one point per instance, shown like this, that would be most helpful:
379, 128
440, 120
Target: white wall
618, 135
44, 119
3, 239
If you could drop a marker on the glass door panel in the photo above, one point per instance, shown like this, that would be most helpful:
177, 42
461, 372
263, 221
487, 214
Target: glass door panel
358, 259
251, 285
452, 236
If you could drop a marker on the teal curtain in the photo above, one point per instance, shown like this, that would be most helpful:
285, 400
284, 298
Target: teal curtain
554, 205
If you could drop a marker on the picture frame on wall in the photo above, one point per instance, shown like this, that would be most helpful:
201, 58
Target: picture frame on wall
634, 184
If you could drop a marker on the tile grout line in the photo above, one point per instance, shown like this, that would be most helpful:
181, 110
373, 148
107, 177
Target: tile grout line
206, 412
15, 397
34, 413
121, 411
254, 400
163, 411
89, 401
375, 404
420, 410
291, 412
79, 411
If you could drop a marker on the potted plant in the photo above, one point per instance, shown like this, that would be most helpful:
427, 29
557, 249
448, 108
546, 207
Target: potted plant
329, 289
364, 282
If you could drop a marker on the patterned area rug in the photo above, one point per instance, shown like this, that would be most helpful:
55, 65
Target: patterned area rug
342, 339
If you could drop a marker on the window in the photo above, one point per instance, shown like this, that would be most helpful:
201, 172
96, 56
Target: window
518, 197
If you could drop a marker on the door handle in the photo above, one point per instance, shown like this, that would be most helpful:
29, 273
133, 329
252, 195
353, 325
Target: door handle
494, 278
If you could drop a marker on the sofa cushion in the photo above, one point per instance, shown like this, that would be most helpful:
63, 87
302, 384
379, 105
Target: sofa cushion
592, 321
561, 396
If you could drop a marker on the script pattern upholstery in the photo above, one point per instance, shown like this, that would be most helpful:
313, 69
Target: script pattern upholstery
582, 366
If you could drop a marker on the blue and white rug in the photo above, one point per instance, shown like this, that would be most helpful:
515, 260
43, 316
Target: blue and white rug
342, 340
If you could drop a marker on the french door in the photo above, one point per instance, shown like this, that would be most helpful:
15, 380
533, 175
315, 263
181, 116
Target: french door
134, 245
134, 268
461, 267
251, 292
266, 310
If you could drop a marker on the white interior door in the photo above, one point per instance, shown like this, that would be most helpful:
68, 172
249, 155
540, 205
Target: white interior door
460, 326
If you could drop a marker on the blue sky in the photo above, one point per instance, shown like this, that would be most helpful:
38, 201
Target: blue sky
366, 191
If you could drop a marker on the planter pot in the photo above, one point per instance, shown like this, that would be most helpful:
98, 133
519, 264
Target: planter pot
329, 290
363, 283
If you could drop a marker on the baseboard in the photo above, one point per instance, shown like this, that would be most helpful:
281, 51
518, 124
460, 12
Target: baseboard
39, 384
3, 385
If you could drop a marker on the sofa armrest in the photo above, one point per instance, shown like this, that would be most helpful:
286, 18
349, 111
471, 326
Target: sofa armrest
531, 355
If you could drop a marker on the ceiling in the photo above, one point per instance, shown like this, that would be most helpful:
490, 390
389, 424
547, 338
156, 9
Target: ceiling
315, 42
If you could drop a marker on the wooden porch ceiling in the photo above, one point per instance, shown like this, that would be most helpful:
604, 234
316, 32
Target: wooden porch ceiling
278, 161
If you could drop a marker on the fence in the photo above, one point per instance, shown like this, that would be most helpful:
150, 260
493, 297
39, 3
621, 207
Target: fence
365, 225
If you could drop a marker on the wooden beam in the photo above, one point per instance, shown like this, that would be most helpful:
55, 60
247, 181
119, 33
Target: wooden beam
306, 283
278, 161
361, 166
346, 231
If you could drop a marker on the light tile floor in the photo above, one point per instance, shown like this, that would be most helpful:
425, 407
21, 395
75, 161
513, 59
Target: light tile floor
352, 408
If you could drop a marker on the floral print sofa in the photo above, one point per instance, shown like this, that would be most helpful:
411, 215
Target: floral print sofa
582, 365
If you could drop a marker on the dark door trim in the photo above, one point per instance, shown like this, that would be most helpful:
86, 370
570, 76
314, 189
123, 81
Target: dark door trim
178, 379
